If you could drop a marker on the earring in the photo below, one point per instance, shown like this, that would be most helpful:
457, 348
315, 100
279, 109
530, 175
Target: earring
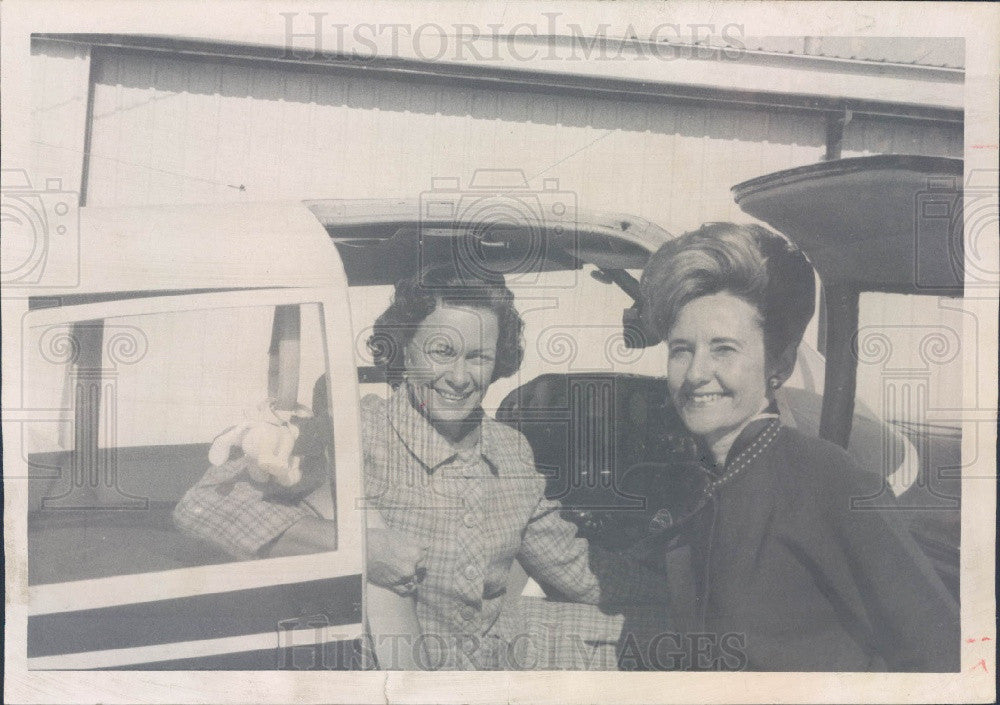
774, 383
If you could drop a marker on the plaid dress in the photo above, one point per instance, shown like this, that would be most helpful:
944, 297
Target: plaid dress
228, 510
478, 510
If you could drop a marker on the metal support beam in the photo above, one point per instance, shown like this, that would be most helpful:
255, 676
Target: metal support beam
841, 363
283, 359
836, 122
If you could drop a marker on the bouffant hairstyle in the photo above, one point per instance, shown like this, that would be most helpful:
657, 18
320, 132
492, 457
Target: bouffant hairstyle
416, 297
748, 261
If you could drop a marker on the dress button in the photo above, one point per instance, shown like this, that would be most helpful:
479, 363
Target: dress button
469, 519
470, 572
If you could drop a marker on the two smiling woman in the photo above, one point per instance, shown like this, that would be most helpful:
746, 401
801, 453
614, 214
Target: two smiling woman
766, 565
772, 559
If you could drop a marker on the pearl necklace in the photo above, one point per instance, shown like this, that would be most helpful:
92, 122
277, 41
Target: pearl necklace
746, 457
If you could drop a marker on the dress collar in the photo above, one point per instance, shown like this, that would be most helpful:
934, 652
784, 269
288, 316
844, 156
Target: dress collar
746, 436
754, 428
424, 442
688, 497
752, 441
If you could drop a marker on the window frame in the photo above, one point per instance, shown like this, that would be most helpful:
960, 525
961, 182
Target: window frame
238, 575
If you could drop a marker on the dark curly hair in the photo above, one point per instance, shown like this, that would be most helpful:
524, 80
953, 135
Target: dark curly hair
748, 261
416, 297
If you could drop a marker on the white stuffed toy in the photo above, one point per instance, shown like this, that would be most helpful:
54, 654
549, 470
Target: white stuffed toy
268, 440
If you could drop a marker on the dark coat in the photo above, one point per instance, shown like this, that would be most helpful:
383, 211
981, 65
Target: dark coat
775, 571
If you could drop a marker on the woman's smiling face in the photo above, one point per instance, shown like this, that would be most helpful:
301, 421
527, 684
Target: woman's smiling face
716, 371
449, 364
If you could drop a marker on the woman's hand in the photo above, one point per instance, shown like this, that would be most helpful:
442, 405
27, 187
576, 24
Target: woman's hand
394, 561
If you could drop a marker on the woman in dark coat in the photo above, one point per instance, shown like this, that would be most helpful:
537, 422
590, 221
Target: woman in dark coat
764, 562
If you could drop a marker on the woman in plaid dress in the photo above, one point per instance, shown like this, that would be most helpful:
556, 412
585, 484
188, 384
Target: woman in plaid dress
457, 493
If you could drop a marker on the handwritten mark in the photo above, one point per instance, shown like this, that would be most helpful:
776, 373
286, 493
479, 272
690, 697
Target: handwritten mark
982, 662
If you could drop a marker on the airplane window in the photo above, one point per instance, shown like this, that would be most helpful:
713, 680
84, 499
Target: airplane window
120, 476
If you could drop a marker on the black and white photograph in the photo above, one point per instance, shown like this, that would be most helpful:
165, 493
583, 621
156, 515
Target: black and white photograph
459, 353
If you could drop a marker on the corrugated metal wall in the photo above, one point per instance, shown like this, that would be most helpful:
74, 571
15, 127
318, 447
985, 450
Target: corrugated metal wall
175, 130
172, 130
60, 79
866, 134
